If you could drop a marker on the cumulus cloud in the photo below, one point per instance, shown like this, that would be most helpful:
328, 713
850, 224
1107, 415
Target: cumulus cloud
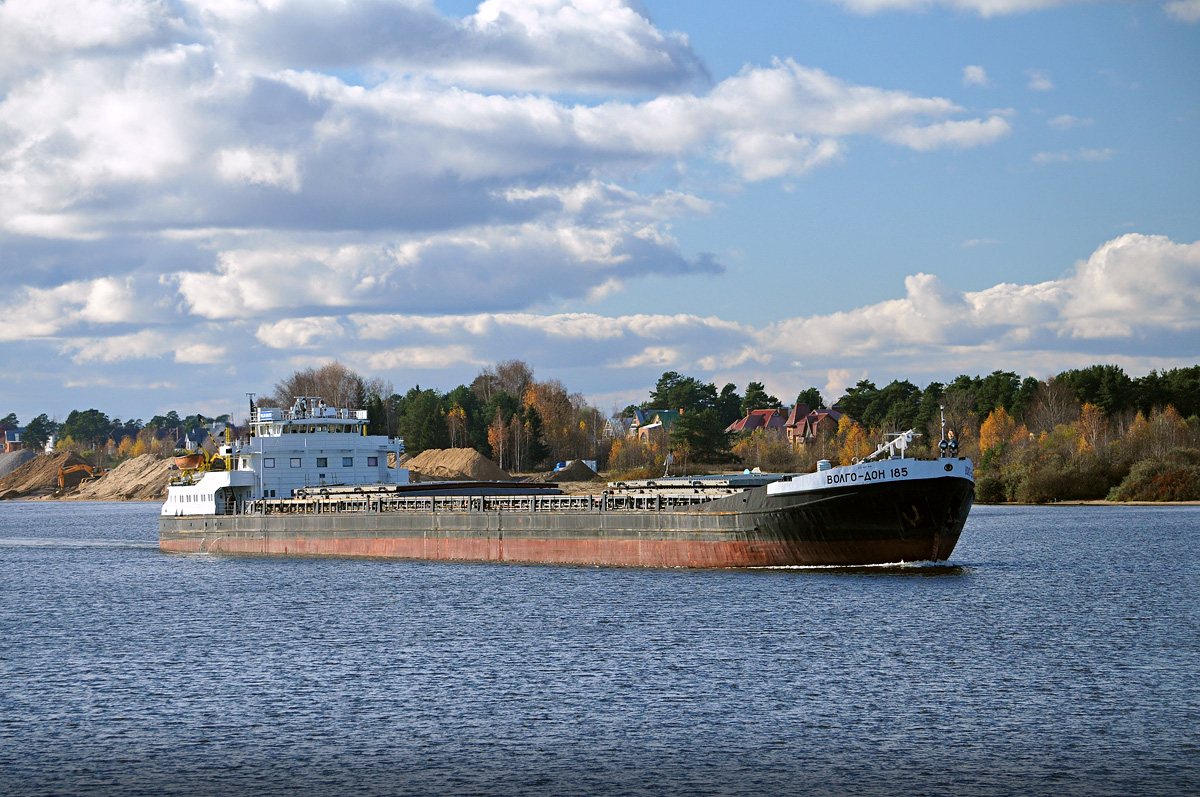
490, 267
298, 333
200, 354
960, 135
974, 76
1183, 10
507, 45
1136, 287
43, 312
259, 167
419, 357
1039, 80
34, 32
302, 177
147, 343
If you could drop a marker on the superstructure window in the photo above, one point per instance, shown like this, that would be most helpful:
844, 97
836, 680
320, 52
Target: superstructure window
295, 462
322, 462
347, 462
372, 462
269, 462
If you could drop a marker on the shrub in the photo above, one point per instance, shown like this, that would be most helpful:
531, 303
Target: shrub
990, 490
1173, 478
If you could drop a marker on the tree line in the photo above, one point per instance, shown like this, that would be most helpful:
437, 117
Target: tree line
1079, 433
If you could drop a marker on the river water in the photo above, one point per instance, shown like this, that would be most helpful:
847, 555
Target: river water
1057, 653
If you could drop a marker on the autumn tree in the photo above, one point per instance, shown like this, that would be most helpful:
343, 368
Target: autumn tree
852, 441
1093, 427
997, 429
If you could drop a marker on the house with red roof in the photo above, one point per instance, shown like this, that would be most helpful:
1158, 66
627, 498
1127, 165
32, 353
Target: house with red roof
804, 425
759, 419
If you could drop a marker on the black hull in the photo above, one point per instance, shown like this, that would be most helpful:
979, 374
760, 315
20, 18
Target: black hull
910, 520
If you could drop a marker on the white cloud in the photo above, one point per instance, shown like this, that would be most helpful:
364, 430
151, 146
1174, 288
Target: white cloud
1039, 80
33, 32
969, 133
1071, 156
974, 76
425, 357
201, 354
507, 267
547, 45
1136, 287
1066, 122
650, 357
147, 343
298, 333
1183, 10
984, 8
259, 167
43, 312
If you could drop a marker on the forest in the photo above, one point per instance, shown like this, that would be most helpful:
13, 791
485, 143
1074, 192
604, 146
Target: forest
1083, 434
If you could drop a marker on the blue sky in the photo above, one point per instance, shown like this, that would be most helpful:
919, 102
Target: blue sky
198, 197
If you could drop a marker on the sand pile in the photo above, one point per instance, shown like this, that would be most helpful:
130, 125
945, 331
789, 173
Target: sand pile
577, 471
454, 464
39, 476
13, 460
141, 478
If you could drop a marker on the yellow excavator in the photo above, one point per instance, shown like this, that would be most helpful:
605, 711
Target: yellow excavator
88, 471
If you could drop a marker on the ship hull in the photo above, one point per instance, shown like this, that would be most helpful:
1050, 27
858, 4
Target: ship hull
916, 520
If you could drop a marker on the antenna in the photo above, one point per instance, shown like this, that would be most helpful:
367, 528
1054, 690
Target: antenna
942, 445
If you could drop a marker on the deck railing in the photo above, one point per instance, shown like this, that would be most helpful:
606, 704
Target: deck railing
477, 503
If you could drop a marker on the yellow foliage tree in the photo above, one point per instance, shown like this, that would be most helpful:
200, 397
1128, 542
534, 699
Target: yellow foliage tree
1093, 428
456, 425
853, 442
998, 428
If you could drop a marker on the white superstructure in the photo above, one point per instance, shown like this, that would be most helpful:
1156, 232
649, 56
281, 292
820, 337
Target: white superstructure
310, 445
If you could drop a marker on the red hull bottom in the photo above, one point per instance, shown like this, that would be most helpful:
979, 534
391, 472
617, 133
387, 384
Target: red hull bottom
627, 553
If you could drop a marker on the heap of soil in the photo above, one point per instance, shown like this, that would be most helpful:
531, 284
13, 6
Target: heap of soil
13, 460
39, 476
454, 464
577, 471
141, 478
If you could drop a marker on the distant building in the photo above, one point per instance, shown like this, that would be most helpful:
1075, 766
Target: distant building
648, 425
760, 419
614, 429
805, 425
10, 438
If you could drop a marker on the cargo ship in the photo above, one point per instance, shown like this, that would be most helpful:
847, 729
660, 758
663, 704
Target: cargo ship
309, 481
